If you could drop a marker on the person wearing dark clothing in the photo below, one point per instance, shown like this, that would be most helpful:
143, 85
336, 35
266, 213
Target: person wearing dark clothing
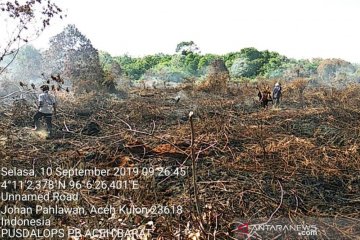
264, 98
277, 94
47, 107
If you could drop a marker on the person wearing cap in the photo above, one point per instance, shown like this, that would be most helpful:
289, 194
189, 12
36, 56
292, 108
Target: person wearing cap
47, 107
277, 94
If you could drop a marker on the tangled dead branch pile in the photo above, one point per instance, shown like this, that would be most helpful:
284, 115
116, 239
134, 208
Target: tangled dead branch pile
217, 78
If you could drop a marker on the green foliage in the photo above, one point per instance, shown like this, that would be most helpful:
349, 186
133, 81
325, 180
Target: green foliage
243, 67
112, 70
161, 64
105, 59
206, 60
291, 68
247, 63
173, 70
229, 58
167, 67
134, 68
191, 65
178, 67
250, 62
251, 53
271, 61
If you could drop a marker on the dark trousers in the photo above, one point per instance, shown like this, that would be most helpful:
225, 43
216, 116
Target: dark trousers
276, 102
264, 103
48, 118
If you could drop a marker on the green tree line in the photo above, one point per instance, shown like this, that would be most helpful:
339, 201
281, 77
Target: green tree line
72, 55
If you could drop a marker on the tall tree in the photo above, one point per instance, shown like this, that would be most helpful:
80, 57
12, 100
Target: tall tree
72, 55
184, 48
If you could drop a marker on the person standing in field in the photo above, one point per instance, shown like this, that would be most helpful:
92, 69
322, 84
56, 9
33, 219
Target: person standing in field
264, 97
47, 107
277, 94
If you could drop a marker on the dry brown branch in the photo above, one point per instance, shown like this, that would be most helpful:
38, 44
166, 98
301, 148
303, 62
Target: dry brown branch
193, 159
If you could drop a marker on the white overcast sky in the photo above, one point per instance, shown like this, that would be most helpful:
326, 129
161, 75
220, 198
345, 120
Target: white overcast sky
295, 28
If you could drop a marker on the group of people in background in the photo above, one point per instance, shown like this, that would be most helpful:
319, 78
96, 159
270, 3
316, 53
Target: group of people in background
266, 96
47, 104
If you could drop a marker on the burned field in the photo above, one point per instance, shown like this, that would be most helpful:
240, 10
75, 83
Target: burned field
296, 165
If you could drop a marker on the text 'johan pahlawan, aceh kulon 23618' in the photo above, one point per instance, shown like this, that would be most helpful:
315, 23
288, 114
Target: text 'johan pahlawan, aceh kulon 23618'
46, 187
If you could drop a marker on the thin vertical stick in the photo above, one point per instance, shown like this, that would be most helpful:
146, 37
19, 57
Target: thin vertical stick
193, 158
